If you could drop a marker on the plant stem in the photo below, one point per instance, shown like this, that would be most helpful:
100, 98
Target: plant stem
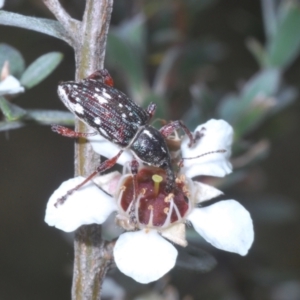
91, 256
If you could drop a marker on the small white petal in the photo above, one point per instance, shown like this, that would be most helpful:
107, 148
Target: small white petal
108, 182
10, 85
203, 192
106, 148
88, 205
218, 135
227, 225
144, 255
175, 234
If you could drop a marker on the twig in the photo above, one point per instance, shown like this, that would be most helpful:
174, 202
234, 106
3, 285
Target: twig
91, 259
71, 25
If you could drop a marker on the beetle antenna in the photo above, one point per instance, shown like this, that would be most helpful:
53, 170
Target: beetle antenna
206, 153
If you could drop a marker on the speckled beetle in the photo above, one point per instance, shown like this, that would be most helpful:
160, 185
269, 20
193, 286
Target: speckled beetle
117, 118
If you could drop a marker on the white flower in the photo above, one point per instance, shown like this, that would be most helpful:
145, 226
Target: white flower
145, 254
10, 86
83, 208
217, 135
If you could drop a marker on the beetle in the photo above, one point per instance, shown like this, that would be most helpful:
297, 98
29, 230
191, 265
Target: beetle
118, 119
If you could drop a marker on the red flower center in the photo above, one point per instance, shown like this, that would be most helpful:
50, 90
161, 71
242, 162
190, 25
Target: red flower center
155, 207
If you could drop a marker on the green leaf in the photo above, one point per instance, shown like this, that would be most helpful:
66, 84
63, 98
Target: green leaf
257, 50
248, 109
5, 126
46, 26
40, 69
285, 45
264, 83
199, 53
160, 82
120, 55
229, 108
11, 111
133, 32
50, 116
41, 117
252, 118
14, 57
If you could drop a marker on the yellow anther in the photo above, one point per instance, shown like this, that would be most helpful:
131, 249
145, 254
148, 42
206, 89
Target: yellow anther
169, 197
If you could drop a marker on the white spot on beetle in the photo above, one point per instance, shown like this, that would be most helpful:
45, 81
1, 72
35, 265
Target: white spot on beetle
103, 132
120, 105
78, 108
100, 99
97, 121
148, 133
163, 149
123, 115
97, 90
65, 97
106, 95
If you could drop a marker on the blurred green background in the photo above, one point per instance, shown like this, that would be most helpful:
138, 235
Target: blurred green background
198, 59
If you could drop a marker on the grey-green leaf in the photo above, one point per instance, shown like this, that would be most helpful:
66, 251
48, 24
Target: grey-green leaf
257, 50
14, 58
122, 56
133, 31
265, 83
248, 109
46, 26
11, 111
40, 69
5, 125
285, 45
50, 116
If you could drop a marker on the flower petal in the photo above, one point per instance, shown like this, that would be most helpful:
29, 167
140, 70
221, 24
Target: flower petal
144, 255
175, 234
217, 135
88, 205
10, 85
106, 148
203, 192
227, 225
108, 182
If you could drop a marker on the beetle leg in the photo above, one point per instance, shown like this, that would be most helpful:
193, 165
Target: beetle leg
65, 131
151, 109
171, 127
103, 76
107, 164
134, 166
